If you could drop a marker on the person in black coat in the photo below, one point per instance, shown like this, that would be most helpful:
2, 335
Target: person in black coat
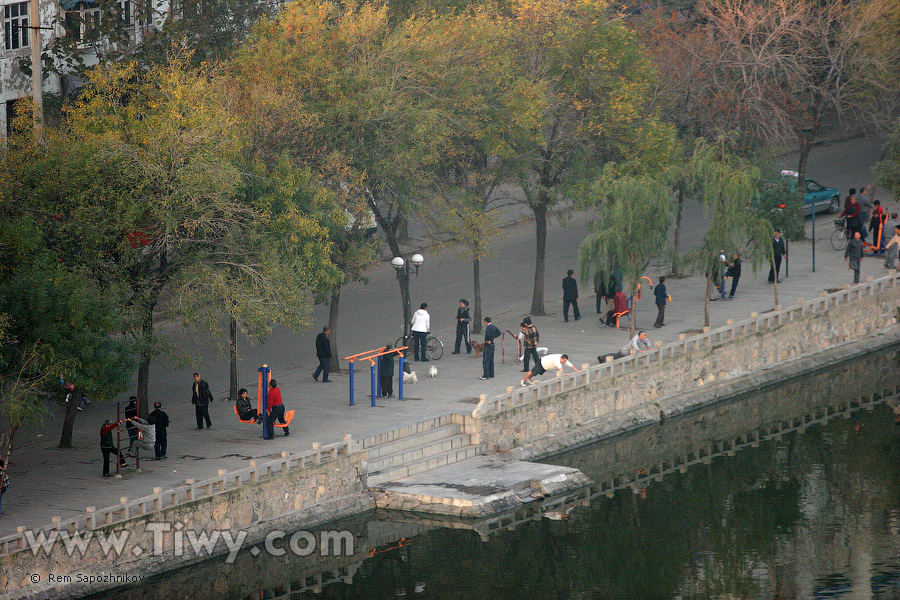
323, 353
386, 373
160, 421
570, 296
662, 298
780, 251
200, 398
462, 327
491, 333
734, 271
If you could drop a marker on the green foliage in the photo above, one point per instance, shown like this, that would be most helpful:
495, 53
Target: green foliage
888, 170
636, 212
780, 205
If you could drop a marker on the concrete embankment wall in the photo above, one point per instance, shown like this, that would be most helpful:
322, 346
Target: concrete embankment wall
679, 378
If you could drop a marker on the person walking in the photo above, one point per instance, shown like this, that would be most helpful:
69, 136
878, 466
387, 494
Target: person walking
530, 340
462, 327
734, 271
108, 448
200, 398
892, 248
276, 412
420, 326
131, 411
491, 333
854, 255
160, 420
386, 372
547, 363
662, 298
779, 251
323, 353
570, 296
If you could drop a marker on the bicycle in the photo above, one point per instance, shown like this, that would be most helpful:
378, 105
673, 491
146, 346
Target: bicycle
434, 347
839, 237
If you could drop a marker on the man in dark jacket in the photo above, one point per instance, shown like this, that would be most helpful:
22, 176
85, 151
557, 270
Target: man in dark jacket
854, 254
323, 353
108, 448
131, 411
779, 250
570, 296
491, 333
160, 420
662, 298
462, 327
200, 398
734, 271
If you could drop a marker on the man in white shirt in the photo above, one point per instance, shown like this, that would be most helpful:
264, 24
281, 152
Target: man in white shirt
420, 326
548, 362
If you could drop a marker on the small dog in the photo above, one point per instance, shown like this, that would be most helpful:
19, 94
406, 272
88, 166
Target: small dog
410, 377
432, 371
479, 347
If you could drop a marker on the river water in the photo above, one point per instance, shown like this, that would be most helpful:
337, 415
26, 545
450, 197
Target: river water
791, 492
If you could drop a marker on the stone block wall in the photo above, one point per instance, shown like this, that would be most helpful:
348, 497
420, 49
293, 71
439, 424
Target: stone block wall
670, 384
324, 491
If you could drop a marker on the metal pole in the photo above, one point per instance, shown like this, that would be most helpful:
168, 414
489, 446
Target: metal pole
37, 88
374, 385
118, 439
378, 378
137, 456
266, 375
407, 308
351, 383
400, 381
814, 237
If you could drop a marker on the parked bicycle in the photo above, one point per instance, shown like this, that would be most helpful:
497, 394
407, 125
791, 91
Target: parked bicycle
840, 235
434, 347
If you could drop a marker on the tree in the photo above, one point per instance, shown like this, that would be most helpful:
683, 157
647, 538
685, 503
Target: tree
595, 79
887, 170
636, 211
365, 81
728, 185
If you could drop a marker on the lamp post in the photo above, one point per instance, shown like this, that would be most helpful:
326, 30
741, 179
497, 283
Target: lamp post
403, 271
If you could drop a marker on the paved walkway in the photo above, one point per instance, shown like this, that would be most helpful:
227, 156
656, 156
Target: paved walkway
47, 481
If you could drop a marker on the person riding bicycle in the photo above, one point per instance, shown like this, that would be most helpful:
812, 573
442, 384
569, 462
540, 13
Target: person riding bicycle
853, 214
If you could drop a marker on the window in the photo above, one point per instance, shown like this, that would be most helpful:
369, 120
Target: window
79, 24
15, 25
125, 12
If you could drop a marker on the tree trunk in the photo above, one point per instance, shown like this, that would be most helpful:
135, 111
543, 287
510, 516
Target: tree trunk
540, 227
633, 326
65, 440
775, 284
805, 148
143, 383
676, 245
232, 358
709, 286
476, 275
333, 309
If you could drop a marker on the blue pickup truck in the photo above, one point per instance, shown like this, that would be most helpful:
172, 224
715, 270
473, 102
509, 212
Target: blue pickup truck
818, 196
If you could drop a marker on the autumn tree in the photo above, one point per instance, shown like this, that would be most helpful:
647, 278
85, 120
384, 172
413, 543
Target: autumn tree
595, 79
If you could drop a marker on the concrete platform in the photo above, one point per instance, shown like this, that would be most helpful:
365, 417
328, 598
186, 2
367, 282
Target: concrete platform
479, 487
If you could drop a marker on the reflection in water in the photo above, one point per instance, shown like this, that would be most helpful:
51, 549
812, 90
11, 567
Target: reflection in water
793, 492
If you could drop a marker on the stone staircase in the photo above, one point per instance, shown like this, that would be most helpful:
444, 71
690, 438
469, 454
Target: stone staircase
416, 448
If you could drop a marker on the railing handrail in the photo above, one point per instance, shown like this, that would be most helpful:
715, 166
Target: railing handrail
708, 337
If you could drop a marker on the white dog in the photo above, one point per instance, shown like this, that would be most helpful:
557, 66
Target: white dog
432, 371
410, 377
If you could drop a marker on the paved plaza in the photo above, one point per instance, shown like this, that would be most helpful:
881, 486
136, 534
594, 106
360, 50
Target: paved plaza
47, 481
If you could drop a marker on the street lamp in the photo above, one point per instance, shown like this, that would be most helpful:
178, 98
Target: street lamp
403, 270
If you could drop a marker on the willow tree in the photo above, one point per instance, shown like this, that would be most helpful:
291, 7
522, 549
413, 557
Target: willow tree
636, 211
728, 186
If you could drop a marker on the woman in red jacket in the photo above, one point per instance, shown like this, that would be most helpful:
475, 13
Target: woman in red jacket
276, 411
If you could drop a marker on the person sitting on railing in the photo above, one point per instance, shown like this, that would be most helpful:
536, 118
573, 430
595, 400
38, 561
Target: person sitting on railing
245, 410
551, 361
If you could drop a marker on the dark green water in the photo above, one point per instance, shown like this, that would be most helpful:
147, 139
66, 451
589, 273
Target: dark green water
811, 512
